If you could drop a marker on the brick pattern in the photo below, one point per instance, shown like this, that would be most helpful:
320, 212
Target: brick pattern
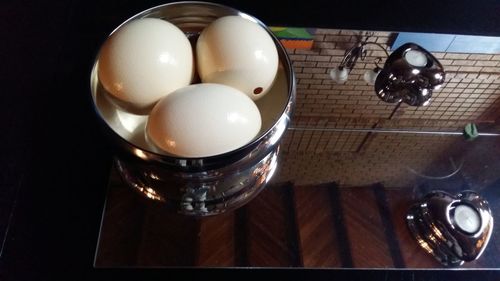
471, 94
322, 141
386, 158
473, 82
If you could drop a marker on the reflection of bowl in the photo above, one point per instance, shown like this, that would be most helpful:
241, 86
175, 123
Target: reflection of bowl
199, 186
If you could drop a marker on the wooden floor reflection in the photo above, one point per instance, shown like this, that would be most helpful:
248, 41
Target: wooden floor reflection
322, 226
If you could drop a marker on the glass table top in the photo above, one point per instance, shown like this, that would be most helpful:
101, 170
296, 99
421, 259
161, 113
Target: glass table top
349, 168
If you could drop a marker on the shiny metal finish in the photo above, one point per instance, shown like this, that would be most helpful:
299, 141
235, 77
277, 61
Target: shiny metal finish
200, 193
439, 229
402, 81
211, 185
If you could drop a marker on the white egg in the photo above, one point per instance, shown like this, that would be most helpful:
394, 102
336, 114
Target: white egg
237, 52
203, 120
143, 61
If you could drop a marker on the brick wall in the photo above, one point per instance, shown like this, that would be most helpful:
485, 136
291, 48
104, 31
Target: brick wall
471, 94
472, 87
388, 158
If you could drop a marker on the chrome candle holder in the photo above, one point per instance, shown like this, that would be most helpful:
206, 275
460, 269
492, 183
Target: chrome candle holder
453, 229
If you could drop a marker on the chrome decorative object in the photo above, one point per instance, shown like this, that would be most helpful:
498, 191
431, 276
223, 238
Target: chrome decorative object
409, 75
209, 185
454, 229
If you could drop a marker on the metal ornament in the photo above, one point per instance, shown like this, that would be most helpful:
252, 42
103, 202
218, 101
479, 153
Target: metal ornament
454, 229
409, 75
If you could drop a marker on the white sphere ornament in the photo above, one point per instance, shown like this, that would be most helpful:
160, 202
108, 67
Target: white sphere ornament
371, 75
144, 60
339, 75
203, 120
237, 52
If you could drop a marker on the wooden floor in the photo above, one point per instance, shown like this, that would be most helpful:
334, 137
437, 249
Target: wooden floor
284, 226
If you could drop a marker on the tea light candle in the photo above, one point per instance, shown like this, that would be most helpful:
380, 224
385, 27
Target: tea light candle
416, 58
467, 218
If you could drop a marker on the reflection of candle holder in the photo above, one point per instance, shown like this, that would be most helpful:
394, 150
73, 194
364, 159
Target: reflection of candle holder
409, 75
453, 229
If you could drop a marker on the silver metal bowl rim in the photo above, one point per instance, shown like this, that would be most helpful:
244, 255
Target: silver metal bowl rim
284, 58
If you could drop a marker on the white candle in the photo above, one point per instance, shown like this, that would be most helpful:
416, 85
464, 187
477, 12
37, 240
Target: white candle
416, 58
467, 218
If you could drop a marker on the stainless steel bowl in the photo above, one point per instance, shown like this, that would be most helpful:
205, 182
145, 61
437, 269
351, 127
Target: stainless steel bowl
199, 186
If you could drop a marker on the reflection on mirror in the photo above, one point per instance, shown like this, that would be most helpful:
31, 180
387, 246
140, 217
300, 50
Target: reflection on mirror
352, 55
409, 74
349, 164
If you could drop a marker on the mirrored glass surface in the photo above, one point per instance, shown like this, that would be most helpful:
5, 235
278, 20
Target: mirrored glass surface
349, 168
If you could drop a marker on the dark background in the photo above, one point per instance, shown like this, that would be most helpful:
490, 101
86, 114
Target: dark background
54, 161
